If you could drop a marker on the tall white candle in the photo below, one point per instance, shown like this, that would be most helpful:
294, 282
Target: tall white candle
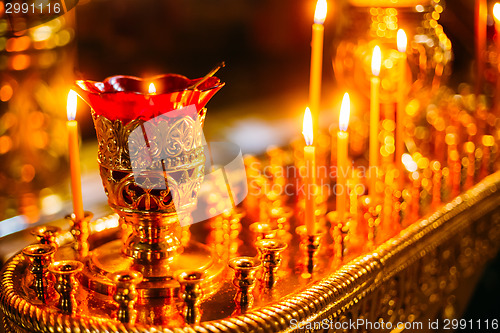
342, 157
310, 177
401, 98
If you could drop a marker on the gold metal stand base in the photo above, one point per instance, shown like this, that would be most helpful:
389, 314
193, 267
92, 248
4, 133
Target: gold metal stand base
159, 276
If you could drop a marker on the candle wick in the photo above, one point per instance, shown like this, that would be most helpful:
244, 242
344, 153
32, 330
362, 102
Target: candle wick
206, 77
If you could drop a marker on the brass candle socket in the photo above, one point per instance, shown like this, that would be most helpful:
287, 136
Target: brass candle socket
65, 272
310, 245
80, 231
191, 294
270, 256
125, 293
244, 279
46, 234
39, 257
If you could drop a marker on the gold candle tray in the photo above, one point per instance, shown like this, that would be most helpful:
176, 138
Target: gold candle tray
428, 271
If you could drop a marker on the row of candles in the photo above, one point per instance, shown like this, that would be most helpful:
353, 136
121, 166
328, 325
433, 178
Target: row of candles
309, 117
342, 134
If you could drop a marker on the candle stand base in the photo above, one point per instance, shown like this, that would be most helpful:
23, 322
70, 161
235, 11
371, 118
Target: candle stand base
158, 276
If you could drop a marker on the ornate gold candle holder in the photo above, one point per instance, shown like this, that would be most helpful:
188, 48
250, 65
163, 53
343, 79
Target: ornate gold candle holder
65, 272
244, 280
191, 294
125, 294
151, 161
39, 257
270, 256
310, 247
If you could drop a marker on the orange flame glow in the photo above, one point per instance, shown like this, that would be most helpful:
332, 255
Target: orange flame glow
345, 111
402, 41
307, 127
409, 163
496, 11
71, 105
320, 13
152, 88
376, 60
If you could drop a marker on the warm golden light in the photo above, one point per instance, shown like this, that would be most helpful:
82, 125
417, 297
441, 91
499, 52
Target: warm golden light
409, 163
376, 60
307, 127
402, 41
496, 11
320, 13
71, 105
345, 111
152, 88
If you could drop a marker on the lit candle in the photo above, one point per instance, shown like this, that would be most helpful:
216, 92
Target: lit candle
152, 89
74, 156
342, 162
310, 177
401, 98
317, 56
374, 118
480, 20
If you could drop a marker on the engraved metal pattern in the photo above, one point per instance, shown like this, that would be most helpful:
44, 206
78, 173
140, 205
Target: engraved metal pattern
174, 146
153, 167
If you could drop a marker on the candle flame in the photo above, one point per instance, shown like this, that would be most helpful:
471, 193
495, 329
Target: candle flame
402, 41
409, 163
307, 127
345, 111
496, 11
152, 88
376, 60
71, 105
320, 13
